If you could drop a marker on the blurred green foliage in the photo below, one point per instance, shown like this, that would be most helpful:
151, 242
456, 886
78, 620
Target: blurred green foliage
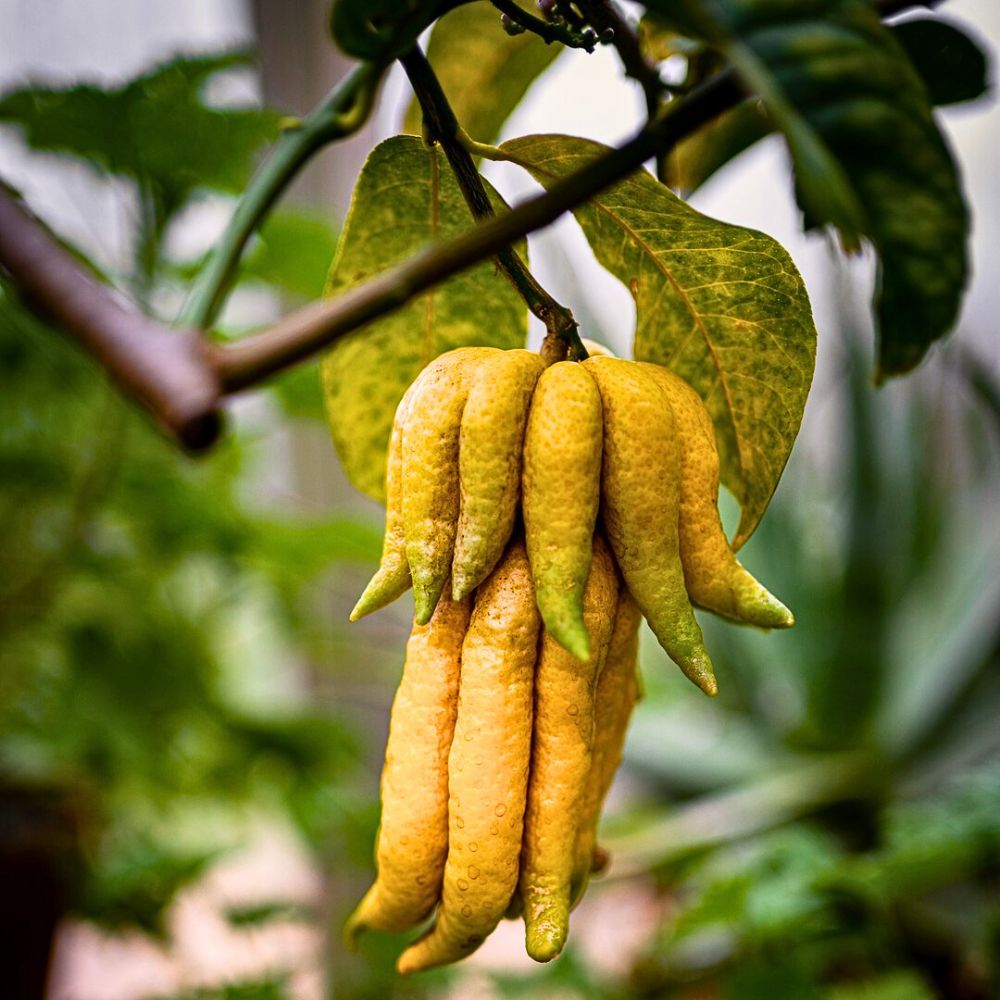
160, 616
829, 827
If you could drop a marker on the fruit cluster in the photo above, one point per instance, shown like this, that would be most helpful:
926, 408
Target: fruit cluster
520, 672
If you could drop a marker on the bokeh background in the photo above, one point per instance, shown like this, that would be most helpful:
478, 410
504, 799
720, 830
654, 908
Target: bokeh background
191, 734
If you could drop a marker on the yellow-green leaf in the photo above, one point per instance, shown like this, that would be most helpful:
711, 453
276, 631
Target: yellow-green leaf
484, 71
722, 306
697, 157
405, 199
868, 155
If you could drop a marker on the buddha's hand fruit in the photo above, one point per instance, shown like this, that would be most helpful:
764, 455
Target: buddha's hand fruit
489, 462
562, 477
715, 579
615, 696
487, 767
521, 670
413, 837
430, 484
393, 575
640, 495
561, 752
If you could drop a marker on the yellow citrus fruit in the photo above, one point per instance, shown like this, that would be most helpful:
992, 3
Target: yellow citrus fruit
393, 575
561, 491
489, 463
593, 347
430, 485
640, 491
487, 766
413, 837
561, 750
715, 578
616, 694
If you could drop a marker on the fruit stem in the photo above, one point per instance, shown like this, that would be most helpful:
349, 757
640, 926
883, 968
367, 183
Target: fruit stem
562, 339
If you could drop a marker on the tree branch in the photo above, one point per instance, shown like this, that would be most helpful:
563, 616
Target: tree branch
167, 370
609, 22
180, 378
342, 112
303, 333
548, 31
562, 338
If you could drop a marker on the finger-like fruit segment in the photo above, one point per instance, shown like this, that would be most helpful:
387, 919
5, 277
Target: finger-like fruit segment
595, 348
413, 837
487, 767
393, 575
561, 751
640, 488
430, 472
489, 463
561, 490
715, 579
616, 694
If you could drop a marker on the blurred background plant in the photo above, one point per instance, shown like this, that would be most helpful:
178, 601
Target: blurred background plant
177, 676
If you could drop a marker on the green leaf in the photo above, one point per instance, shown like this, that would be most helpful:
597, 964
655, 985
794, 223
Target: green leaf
155, 129
950, 63
272, 987
406, 198
952, 66
722, 306
484, 71
255, 915
659, 39
134, 878
868, 155
699, 156
292, 252
901, 985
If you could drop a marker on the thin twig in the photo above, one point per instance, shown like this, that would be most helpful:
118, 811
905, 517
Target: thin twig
609, 22
167, 370
442, 127
342, 112
180, 378
548, 31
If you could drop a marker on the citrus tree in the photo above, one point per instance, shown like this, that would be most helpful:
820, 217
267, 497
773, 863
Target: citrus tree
431, 260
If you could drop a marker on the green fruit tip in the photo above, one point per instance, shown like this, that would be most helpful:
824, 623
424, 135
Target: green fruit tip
461, 587
544, 943
353, 930
769, 612
698, 670
424, 603
372, 598
572, 637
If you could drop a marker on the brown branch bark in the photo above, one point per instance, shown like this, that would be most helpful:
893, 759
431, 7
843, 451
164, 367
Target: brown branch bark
167, 370
180, 378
